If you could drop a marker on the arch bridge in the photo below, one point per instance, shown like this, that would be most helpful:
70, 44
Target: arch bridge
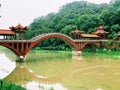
22, 47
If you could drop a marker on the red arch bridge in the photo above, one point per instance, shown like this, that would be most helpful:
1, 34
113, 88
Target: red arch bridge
22, 47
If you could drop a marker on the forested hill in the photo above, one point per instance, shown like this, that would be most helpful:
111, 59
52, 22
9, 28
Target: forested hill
82, 15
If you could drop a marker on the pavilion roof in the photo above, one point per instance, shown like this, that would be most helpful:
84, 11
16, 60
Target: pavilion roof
6, 32
19, 27
100, 30
76, 31
90, 35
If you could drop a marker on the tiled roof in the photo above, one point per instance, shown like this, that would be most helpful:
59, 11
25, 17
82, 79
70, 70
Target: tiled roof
90, 35
6, 32
76, 31
101, 32
19, 26
100, 28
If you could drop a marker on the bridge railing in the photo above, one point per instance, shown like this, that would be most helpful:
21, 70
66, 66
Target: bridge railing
75, 40
48, 34
36, 37
12, 41
90, 40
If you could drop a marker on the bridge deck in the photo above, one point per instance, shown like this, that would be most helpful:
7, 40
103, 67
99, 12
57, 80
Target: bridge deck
22, 47
34, 39
73, 40
12, 41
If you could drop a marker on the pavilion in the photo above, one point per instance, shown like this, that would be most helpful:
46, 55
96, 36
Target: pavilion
100, 31
78, 34
15, 32
20, 31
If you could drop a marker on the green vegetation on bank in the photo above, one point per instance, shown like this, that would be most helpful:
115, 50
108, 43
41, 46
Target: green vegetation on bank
8, 86
103, 53
78, 14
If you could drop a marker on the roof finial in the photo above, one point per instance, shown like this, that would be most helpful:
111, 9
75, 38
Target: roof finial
19, 23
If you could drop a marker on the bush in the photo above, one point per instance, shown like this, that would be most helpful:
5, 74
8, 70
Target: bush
9, 86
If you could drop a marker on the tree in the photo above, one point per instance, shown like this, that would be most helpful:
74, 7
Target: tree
79, 14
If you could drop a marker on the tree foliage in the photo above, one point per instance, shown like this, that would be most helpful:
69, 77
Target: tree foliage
79, 14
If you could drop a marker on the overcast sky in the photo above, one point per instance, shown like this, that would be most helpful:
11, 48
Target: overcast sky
25, 11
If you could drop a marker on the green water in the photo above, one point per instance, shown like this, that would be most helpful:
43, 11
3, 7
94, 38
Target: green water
53, 70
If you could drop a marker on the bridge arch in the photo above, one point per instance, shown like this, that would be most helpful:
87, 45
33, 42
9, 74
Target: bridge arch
91, 43
16, 52
63, 37
22, 47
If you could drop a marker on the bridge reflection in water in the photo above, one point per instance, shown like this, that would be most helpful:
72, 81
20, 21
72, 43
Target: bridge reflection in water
22, 75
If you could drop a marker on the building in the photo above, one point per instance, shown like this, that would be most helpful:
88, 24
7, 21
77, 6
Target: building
78, 34
20, 31
7, 34
14, 33
100, 31
89, 36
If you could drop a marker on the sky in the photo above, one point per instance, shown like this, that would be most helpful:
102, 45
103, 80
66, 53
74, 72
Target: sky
25, 11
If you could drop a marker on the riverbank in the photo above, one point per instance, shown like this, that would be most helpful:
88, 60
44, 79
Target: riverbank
98, 52
103, 53
51, 54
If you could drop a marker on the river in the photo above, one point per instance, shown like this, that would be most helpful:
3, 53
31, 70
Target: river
53, 70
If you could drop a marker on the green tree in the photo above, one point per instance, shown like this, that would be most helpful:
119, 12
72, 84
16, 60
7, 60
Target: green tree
79, 14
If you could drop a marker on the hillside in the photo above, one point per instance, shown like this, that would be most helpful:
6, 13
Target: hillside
79, 14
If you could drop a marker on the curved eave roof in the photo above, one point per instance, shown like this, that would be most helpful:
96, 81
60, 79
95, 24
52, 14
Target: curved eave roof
101, 32
19, 27
90, 35
76, 31
100, 28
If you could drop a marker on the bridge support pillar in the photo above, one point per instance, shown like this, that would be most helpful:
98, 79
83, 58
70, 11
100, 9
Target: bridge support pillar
76, 53
21, 58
